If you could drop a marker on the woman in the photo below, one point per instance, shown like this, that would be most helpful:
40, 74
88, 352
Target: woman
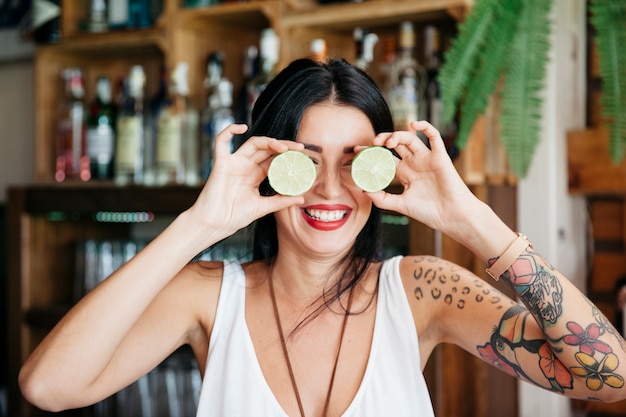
318, 325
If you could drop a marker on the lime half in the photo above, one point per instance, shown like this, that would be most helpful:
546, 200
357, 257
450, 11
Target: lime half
373, 168
291, 173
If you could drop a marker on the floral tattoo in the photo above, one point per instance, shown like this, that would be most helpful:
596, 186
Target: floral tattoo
535, 281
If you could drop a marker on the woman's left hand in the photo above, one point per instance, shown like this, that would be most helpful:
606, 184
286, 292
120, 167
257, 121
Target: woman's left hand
434, 193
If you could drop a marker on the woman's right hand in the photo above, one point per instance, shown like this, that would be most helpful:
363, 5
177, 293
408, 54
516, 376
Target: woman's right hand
230, 199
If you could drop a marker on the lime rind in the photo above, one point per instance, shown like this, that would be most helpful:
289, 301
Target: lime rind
291, 173
373, 168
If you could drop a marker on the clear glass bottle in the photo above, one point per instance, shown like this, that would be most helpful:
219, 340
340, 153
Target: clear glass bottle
433, 58
364, 43
319, 49
250, 72
117, 12
178, 160
97, 20
72, 161
218, 113
408, 82
130, 131
269, 49
153, 109
101, 131
46, 21
386, 66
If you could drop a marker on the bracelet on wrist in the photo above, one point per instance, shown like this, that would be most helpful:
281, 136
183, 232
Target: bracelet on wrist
512, 252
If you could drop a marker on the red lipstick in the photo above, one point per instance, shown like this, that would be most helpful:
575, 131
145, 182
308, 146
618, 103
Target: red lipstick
326, 217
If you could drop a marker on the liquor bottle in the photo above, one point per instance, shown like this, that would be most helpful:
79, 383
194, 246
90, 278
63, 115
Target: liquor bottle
269, 47
245, 101
151, 115
319, 50
200, 3
139, 14
72, 160
130, 131
100, 131
46, 21
408, 82
117, 14
97, 18
217, 114
432, 61
359, 34
364, 42
386, 66
177, 134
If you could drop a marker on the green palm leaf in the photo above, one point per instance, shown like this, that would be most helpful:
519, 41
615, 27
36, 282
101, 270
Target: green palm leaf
523, 85
489, 66
463, 54
609, 20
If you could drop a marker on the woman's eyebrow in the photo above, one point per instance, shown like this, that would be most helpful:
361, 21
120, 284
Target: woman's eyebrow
313, 148
318, 149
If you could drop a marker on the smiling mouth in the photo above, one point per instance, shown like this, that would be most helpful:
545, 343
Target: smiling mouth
326, 215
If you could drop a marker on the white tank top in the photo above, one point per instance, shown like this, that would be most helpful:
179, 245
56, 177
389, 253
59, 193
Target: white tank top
393, 384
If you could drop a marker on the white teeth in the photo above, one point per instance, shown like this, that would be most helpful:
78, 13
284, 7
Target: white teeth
327, 215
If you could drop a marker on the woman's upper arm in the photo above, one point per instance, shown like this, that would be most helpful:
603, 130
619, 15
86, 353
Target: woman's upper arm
452, 305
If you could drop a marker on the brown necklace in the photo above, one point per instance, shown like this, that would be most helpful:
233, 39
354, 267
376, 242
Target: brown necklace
286, 354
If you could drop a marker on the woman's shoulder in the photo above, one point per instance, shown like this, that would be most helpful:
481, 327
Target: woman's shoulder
414, 265
212, 273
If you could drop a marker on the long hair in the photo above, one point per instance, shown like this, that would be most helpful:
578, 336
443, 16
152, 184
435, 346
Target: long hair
278, 112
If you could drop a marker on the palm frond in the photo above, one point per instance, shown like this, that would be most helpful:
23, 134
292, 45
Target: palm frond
523, 85
489, 66
461, 58
609, 20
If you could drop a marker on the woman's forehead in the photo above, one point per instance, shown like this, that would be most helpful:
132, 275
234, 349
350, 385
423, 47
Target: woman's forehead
336, 126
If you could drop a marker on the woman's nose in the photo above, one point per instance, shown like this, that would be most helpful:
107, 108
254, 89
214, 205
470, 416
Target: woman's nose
328, 183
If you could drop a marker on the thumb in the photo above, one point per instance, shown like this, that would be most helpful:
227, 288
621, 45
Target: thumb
224, 137
279, 202
384, 200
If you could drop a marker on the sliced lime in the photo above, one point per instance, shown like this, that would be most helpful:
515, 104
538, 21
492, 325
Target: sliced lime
291, 173
373, 168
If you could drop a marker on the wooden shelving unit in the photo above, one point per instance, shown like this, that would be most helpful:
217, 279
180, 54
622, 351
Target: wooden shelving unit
47, 219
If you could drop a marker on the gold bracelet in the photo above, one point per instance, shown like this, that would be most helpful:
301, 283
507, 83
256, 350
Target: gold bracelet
509, 256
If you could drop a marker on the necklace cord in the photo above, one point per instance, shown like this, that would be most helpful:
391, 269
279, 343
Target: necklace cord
286, 353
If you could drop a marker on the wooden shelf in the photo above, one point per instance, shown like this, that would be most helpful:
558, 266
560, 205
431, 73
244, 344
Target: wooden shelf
346, 16
118, 43
255, 15
591, 171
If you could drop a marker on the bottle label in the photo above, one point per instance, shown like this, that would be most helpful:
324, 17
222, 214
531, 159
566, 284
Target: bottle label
100, 143
118, 13
404, 105
169, 140
129, 133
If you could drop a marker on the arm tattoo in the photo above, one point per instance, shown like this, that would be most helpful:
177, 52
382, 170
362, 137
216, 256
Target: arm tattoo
443, 284
537, 285
510, 344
